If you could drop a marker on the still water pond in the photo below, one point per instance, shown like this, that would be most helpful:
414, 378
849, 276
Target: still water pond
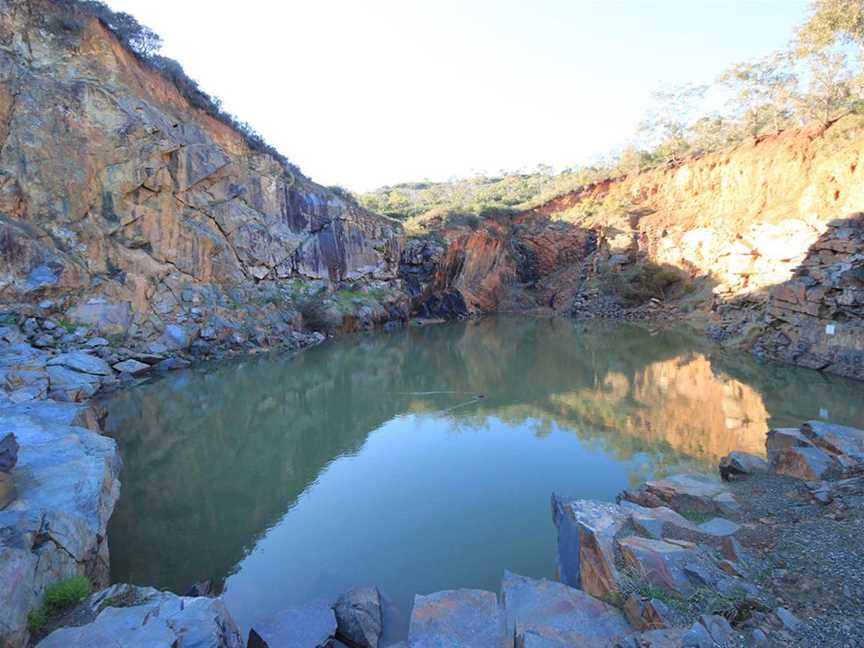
424, 459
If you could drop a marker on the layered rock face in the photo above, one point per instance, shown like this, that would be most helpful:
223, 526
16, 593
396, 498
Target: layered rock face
500, 264
116, 195
773, 226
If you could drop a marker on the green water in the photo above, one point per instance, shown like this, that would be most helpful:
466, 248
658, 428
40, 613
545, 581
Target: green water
423, 459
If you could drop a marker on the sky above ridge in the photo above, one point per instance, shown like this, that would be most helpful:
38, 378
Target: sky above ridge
364, 94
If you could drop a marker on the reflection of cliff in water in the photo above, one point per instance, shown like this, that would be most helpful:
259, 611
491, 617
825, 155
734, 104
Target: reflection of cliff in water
214, 458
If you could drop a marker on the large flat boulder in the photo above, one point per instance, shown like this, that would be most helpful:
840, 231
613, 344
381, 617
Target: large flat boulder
133, 617
542, 612
464, 618
586, 550
66, 479
689, 493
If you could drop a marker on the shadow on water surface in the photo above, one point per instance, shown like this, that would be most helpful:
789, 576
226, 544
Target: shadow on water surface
372, 459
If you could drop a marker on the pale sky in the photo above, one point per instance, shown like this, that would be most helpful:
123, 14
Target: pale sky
364, 93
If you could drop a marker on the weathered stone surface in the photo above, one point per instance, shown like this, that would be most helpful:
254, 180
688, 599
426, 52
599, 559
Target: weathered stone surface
132, 617
133, 367
456, 619
67, 483
558, 613
836, 439
358, 617
686, 493
646, 614
718, 527
7, 490
8, 452
658, 522
661, 564
71, 385
741, 463
109, 318
586, 552
306, 626
791, 454
665, 638
83, 362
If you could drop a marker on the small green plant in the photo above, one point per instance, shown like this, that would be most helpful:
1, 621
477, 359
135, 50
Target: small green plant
69, 326
65, 593
37, 620
58, 596
696, 517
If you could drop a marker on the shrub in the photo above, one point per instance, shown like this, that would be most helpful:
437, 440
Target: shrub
65, 593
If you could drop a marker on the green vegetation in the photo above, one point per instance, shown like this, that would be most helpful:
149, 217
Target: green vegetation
696, 517
65, 593
817, 78
58, 597
67, 325
638, 282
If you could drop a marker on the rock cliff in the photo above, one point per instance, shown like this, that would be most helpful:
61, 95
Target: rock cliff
765, 236
117, 195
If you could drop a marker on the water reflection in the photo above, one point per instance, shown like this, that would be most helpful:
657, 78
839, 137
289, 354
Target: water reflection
372, 458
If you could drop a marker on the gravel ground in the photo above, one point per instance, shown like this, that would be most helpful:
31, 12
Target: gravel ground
810, 556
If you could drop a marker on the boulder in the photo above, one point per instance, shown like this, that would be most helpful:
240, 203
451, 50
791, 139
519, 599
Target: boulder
658, 522
586, 550
304, 626
132, 367
68, 384
665, 638
659, 564
646, 614
358, 617
8, 452
558, 614
83, 362
67, 484
793, 456
462, 618
133, 617
741, 463
836, 439
686, 493
110, 318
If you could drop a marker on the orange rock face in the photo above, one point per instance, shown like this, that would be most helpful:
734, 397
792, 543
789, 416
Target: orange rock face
114, 188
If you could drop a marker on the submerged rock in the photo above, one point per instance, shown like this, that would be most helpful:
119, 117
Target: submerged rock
142, 617
462, 618
304, 626
558, 615
358, 617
